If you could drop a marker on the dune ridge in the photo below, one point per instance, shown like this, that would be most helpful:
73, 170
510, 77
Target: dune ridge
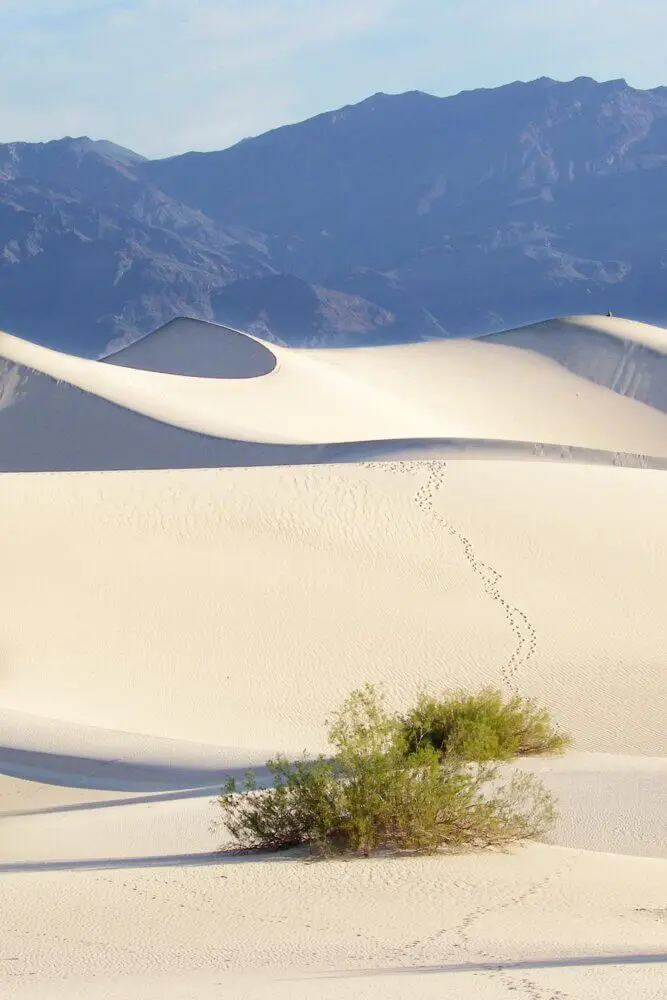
219, 539
73, 413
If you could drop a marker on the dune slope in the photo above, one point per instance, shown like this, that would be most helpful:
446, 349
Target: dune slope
192, 347
298, 406
182, 588
166, 624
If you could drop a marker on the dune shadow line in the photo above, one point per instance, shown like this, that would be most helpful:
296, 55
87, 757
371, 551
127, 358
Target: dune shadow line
112, 774
573, 962
134, 800
198, 860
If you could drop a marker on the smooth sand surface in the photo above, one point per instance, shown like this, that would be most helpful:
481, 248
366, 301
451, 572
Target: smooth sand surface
164, 627
271, 405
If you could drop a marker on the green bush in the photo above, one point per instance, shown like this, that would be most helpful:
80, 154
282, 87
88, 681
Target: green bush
378, 793
482, 727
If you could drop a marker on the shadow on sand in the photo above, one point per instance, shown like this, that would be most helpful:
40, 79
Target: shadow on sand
119, 774
199, 860
658, 958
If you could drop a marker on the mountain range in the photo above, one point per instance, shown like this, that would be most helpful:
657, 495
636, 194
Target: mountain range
403, 217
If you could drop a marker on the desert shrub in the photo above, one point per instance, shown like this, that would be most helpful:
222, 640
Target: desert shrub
378, 793
483, 726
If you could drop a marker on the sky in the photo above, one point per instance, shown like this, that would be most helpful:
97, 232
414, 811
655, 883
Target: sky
166, 76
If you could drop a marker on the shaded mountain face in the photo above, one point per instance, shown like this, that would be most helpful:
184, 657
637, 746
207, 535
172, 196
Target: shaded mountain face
400, 218
92, 254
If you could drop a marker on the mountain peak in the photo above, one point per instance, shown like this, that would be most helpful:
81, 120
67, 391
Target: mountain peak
402, 216
99, 147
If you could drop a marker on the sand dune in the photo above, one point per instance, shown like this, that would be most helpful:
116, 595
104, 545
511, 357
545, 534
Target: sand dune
284, 406
628, 357
192, 347
289, 525
155, 590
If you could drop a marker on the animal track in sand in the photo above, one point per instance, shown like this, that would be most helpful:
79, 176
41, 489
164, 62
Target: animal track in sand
511, 982
522, 629
458, 938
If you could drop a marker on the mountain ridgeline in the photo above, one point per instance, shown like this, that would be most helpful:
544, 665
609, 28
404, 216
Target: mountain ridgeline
403, 217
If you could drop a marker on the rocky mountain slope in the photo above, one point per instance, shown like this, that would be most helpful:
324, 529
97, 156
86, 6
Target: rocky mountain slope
402, 217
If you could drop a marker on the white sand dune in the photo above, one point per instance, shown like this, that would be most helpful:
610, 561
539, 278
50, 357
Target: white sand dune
167, 624
303, 406
628, 357
194, 348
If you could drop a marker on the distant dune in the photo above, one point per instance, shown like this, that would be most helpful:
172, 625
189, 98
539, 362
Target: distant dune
192, 347
150, 406
250, 533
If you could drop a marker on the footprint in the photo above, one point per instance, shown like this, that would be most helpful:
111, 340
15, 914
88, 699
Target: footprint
518, 621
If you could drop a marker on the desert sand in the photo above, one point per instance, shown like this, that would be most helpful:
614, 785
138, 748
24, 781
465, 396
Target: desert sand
208, 541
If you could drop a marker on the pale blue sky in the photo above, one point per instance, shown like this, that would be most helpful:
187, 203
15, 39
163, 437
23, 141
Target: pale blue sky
163, 76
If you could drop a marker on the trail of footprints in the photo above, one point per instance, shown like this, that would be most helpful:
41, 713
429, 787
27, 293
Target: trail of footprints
522, 629
460, 941
526, 639
512, 981
520, 626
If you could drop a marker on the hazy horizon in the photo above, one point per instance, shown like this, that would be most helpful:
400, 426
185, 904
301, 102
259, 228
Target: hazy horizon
162, 76
329, 110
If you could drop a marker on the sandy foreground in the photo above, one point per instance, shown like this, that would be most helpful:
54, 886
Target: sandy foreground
163, 628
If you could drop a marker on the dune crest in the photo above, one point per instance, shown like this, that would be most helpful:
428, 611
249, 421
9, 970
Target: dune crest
165, 624
557, 385
195, 348
628, 357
